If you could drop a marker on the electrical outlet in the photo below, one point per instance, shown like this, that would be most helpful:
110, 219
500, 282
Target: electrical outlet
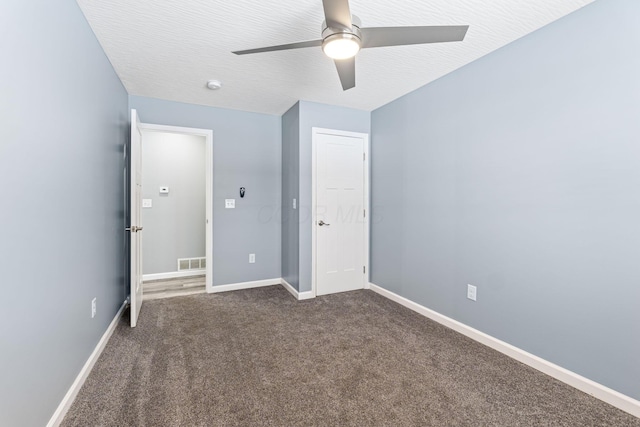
295, 202
252, 258
230, 203
471, 292
93, 308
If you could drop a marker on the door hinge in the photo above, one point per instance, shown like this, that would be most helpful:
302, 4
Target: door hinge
364, 156
364, 269
364, 213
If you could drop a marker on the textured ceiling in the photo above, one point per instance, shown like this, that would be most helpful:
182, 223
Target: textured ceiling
169, 49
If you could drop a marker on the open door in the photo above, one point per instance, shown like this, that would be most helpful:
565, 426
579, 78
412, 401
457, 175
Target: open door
135, 228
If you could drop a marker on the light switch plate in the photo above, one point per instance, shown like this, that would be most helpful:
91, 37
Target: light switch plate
229, 203
147, 203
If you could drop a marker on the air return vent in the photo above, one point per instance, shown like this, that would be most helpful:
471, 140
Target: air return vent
192, 263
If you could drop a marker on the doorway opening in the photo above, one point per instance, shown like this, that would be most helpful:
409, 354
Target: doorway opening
171, 171
173, 214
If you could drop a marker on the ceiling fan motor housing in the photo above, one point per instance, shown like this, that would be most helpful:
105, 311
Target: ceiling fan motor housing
354, 30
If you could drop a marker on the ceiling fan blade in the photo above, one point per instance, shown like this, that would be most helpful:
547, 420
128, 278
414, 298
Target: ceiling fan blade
297, 45
396, 36
337, 13
347, 72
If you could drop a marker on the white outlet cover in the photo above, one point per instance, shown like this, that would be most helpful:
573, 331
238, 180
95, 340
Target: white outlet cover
471, 292
93, 308
252, 258
229, 203
295, 203
147, 203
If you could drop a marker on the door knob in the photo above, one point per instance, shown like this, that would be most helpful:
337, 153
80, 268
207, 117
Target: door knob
321, 223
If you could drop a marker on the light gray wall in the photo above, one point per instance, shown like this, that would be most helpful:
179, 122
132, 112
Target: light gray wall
519, 174
246, 153
323, 116
175, 226
64, 127
290, 191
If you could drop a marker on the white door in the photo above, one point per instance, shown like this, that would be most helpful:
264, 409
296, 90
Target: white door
135, 228
340, 216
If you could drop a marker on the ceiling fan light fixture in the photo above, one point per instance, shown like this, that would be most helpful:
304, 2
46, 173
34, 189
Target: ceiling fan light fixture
343, 36
341, 46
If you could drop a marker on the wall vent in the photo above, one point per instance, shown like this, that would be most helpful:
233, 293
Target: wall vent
192, 263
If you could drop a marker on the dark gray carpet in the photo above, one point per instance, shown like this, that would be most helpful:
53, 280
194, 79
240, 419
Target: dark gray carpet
258, 357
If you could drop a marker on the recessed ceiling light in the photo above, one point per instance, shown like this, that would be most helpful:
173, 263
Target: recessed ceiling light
214, 84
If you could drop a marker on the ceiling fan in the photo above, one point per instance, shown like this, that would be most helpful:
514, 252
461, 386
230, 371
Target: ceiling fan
343, 37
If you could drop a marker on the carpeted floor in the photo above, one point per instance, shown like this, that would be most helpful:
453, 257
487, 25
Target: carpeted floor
259, 358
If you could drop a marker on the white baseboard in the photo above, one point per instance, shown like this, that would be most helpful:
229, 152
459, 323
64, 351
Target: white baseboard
599, 391
289, 287
68, 399
305, 295
297, 295
244, 285
173, 275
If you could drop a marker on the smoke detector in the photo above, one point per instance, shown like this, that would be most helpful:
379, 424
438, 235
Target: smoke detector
214, 84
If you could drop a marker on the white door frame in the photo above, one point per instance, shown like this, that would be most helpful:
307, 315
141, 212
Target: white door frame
314, 147
208, 134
